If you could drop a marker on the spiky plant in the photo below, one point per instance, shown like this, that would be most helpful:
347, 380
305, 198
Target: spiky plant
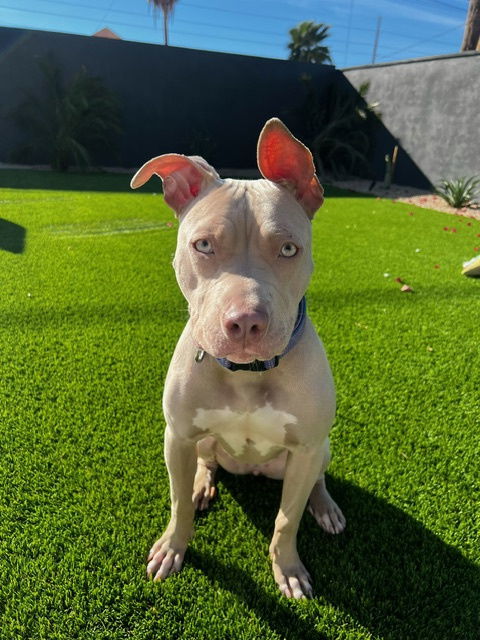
339, 127
459, 192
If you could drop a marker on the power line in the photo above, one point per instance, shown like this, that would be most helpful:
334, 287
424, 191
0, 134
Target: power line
107, 11
422, 40
178, 20
243, 13
269, 35
179, 32
136, 26
447, 4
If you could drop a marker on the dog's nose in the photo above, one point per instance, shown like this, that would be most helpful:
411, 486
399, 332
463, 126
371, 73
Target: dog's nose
245, 326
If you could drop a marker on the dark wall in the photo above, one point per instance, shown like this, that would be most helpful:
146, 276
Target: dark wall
173, 100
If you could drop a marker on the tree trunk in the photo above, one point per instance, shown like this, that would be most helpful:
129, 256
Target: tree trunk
471, 36
165, 27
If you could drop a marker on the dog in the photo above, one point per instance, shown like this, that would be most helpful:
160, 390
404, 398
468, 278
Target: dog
249, 386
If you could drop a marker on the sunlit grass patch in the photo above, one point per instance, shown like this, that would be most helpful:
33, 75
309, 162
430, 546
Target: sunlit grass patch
89, 316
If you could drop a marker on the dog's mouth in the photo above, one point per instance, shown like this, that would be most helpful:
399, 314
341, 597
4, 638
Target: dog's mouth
244, 355
262, 345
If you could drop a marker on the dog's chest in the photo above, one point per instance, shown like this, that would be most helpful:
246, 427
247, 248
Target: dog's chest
261, 431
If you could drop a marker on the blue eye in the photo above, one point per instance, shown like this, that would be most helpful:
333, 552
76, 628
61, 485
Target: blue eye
288, 250
203, 246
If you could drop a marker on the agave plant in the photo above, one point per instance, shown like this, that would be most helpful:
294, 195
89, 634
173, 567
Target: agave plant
459, 192
339, 129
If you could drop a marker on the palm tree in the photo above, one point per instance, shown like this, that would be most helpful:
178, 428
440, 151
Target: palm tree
305, 43
167, 8
471, 36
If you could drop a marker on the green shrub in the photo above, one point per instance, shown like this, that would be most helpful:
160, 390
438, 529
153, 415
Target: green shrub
68, 123
459, 192
339, 129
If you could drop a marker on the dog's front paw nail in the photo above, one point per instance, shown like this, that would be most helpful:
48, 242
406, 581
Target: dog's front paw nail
160, 567
294, 582
164, 560
294, 588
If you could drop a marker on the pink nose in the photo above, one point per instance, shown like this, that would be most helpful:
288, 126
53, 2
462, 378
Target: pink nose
245, 326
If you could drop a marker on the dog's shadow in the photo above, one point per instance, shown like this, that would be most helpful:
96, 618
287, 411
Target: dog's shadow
386, 571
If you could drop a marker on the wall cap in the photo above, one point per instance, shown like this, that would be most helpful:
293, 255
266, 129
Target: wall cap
461, 54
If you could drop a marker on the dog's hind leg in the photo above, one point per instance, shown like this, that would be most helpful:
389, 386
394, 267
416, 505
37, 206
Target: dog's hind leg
204, 484
324, 509
321, 504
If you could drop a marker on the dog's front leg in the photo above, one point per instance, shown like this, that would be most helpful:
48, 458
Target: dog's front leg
302, 471
166, 555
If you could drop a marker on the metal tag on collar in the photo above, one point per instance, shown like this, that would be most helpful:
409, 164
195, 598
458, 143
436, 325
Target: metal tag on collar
199, 356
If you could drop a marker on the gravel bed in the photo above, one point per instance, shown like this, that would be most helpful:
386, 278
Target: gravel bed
411, 195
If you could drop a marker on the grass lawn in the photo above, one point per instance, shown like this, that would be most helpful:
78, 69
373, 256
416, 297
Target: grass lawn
89, 315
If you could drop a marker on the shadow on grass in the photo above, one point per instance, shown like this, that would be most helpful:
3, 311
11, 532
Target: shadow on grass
337, 192
107, 182
104, 182
12, 236
387, 571
278, 613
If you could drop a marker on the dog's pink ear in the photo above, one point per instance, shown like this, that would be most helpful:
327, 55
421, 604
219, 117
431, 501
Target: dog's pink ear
184, 178
284, 159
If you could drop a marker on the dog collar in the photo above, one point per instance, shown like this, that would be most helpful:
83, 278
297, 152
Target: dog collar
266, 365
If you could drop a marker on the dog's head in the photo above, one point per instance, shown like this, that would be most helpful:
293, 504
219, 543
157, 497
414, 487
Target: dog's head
243, 258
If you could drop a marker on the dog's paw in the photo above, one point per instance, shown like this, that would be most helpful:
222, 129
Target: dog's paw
292, 579
165, 558
325, 510
203, 487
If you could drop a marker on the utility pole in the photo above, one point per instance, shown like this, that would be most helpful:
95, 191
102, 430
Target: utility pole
377, 35
471, 35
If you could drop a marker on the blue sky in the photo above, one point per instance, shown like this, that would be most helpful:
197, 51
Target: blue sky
408, 28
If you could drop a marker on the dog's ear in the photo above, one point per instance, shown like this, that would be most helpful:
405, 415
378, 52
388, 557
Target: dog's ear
284, 159
184, 178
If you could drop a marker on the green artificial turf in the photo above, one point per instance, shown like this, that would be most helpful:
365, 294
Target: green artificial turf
89, 315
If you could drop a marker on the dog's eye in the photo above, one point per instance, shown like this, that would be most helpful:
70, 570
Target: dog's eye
203, 245
288, 250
